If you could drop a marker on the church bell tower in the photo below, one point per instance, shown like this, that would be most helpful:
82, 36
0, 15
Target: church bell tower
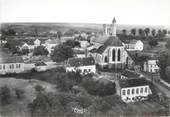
113, 27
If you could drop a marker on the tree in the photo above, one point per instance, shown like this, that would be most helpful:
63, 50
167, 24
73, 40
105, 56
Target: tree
163, 62
50, 104
147, 31
59, 35
72, 43
40, 106
153, 32
25, 51
19, 93
61, 53
153, 43
40, 50
124, 32
160, 33
84, 101
164, 32
39, 89
140, 31
133, 31
5, 95
168, 44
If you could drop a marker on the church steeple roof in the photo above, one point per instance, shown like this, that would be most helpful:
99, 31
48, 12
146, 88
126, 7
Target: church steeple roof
114, 20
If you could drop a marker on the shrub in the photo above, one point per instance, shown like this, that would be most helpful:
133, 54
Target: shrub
5, 95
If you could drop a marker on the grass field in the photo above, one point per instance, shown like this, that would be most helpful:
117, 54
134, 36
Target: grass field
19, 107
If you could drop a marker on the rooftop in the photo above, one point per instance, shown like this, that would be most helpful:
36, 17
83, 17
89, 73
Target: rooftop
110, 41
133, 82
130, 74
14, 59
75, 62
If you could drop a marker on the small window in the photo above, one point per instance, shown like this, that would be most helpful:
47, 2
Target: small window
128, 91
133, 90
19, 65
0, 67
124, 92
3, 66
12, 66
137, 91
141, 90
146, 89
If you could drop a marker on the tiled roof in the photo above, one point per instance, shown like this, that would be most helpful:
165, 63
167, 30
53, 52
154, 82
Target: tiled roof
75, 62
111, 41
130, 74
133, 82
52, 41
101, 49
99, 39
40, 64
15, 59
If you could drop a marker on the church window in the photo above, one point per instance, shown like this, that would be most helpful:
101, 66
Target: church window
137, 91
124, 92
105, 59
118, 55
113, 55
133, 90
128, 91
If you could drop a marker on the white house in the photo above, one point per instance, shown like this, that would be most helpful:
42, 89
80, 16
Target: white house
134, 45
110, 52
11, 65
51, 43
37, 42
40, 66
84, 65
151, 66
133, 90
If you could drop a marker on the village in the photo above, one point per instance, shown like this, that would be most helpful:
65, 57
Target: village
95, 72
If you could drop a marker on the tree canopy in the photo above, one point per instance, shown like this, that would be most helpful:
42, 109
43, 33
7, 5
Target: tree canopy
61, 53
40, 50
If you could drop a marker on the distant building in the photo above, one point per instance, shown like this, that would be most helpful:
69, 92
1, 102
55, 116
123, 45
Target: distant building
11, 65
84, 65
40, 66
133, 90
110, 29
151, 66
134, 45
51, 43
37, 42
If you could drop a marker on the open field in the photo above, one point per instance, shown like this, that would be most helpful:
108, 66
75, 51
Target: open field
19, 107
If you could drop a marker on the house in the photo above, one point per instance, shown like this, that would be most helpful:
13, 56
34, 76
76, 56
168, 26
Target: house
80, 53
127, 74
11, 65
40, 66
110, 52
133, 90
37, 42
134, 45
51, 43
84, 65
84, 43
151, 66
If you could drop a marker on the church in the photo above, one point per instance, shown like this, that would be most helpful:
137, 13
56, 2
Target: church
109, 51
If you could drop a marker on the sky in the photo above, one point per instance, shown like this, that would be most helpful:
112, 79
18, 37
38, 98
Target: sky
133, 12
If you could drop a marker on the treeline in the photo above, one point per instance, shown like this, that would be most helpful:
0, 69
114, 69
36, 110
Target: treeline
143, 34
